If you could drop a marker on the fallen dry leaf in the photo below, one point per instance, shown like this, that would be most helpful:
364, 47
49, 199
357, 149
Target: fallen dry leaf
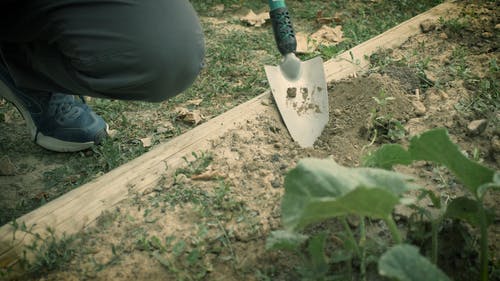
195, 102
193, 117
112, 133
303, 44
181, 111
219, 8
254, 19
327, 36
165, 127
147, 142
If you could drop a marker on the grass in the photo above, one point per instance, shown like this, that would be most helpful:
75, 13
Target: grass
233, 74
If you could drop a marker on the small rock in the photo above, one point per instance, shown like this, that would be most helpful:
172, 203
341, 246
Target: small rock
476, 127
7, 168
443, 36
497, 27
420, 109
427, 26
276, 183
264, 102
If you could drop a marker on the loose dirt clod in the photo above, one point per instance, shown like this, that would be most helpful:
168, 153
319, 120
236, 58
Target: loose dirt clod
420, 109
304, 92
291, 92
427, 26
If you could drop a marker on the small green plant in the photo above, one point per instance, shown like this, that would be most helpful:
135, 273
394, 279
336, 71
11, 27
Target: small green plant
197, 166
317, 190
383, 127
455, 25
46, 252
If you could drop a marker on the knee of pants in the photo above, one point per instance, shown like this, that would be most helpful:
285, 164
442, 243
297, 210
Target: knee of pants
169, 70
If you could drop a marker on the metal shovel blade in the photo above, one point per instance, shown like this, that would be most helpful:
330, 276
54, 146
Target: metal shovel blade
300, 92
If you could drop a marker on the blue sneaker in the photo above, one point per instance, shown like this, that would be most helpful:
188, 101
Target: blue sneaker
55, 121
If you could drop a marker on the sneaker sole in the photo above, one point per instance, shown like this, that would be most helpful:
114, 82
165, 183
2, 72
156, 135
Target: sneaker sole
39, 138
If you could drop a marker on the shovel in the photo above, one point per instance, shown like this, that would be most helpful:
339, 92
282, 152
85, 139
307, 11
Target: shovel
298, 88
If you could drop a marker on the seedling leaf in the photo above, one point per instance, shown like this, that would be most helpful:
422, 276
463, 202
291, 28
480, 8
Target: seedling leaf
404, 263
436, 146
320, 189
316, 249
495, 185
388, 156
467, 209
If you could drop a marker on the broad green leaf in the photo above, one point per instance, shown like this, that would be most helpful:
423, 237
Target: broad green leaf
320, 189
285, 240
467, 209
316, 249
387, 156
404, 263
436, 146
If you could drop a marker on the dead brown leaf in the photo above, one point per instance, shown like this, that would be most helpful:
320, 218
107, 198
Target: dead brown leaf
328, 36
254, 19
165, 127
147, 142
304, 46
219, 8
192, 117
195, 102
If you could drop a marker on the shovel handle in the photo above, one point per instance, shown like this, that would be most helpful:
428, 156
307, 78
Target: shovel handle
282, 27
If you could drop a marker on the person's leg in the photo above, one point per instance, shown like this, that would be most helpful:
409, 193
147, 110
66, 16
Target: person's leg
122, 49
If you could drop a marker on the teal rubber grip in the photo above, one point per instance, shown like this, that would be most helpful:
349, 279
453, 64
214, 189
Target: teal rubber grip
282, 28
276, 4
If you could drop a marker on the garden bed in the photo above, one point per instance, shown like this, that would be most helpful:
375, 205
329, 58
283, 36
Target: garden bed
207, 217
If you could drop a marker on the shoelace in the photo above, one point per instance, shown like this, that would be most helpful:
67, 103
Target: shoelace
65, 108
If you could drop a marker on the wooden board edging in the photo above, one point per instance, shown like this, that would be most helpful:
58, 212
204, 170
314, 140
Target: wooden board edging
78, 208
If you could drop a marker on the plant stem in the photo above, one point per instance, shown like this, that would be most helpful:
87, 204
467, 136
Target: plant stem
393, 228
435, 241
351, 236
484, 242
362, 243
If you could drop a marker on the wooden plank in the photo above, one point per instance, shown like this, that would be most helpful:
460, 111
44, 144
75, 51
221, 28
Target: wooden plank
78, 208
356, 60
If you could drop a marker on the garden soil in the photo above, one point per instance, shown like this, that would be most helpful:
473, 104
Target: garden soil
215, 228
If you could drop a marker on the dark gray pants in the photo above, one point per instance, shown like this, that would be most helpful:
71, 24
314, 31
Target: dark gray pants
121, 49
